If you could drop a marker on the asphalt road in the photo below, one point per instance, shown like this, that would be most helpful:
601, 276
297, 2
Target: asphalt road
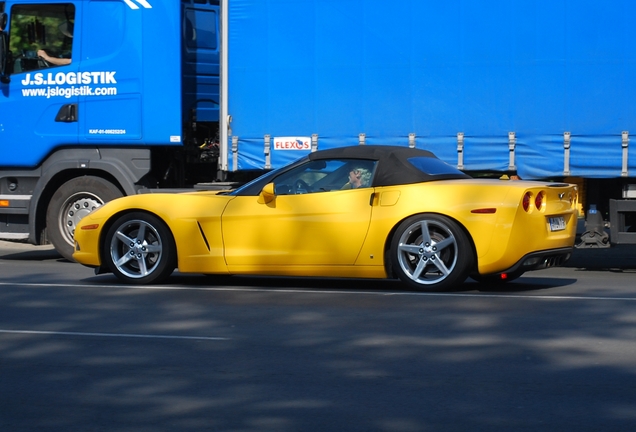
552, 351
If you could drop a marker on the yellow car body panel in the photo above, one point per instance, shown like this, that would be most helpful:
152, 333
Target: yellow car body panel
182, 213
444, 198
339, 233
296, 230
531, 229
498, 242
433, 230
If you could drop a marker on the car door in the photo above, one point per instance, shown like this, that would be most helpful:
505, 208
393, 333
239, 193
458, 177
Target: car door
310, 221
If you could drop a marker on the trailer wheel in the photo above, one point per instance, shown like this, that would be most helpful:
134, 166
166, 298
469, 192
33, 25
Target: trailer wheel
71, 202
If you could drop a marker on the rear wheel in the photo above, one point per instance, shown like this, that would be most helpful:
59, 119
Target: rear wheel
139, 249
70, 203
431, 253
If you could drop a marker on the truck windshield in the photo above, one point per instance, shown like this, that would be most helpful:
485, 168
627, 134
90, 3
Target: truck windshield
40, 36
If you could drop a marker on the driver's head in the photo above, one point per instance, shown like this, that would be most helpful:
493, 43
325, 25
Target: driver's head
360, 176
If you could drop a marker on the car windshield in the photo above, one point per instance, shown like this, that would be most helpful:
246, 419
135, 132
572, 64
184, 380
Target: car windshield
433, 166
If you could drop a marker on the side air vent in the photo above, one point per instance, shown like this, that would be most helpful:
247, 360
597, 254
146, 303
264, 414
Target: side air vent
207, 245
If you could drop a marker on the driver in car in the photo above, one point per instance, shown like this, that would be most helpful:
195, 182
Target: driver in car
358, 177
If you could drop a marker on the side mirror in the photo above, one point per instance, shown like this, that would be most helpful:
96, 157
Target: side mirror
3, 54
267, 194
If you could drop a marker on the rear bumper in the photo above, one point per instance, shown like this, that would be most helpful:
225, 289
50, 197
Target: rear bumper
540, 260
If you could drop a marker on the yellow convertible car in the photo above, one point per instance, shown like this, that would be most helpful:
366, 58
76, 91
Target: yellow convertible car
360, 212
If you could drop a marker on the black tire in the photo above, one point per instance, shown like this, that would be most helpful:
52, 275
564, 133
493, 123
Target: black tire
431, 253
139, 249
71, 202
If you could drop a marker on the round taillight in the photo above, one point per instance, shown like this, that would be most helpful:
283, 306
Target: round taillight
538, 201
527, 198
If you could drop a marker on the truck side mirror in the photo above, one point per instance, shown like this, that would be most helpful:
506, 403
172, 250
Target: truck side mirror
3, 52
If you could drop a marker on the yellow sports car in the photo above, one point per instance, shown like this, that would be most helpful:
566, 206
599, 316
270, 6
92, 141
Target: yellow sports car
361, 212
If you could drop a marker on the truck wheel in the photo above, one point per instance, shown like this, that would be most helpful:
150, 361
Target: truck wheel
71, 202
431, 253
139, 249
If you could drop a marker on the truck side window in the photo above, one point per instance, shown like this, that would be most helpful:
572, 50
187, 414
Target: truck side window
200, 29
40, 36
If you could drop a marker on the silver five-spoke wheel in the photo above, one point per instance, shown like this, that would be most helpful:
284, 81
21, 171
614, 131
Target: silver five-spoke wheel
431, 252
139, 248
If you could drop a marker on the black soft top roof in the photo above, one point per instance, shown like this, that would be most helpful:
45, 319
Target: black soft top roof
393, 167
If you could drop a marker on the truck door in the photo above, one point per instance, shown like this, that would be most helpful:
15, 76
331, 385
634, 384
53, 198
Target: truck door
38, 106
131, 54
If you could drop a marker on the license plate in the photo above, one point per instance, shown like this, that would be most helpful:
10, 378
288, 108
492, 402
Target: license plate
557, 223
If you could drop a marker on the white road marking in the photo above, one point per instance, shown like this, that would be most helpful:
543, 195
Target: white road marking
110, 335
319, 291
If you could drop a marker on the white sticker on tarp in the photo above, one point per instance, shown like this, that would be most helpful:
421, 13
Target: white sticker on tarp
292, 143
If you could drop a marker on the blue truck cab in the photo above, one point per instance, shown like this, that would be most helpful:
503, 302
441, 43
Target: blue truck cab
99, 99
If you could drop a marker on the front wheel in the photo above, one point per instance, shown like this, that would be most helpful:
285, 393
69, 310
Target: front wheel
139, 249
70, 203
431, 253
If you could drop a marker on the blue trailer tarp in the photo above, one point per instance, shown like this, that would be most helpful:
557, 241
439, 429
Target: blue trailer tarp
341, 68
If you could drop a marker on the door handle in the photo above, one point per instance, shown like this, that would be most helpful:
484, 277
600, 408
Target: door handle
67, 113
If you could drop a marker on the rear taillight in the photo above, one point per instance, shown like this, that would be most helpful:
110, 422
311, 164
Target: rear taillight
538, 201
527, 198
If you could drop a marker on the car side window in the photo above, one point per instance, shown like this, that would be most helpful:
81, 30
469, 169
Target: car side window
324, 176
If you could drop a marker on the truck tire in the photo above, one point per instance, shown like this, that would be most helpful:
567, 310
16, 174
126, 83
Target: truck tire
71, 202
